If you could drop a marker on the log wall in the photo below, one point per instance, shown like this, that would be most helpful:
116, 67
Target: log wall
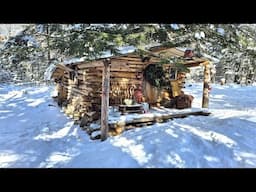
80, 84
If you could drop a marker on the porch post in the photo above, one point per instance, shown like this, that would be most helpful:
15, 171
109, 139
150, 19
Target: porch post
105, 99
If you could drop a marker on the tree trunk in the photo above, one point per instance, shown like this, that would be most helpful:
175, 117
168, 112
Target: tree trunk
48, 42
48, 45
205, 102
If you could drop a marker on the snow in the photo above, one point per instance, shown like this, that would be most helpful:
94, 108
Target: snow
153, 113
35, 133
126, 49
214, 59
221, 31
122, 50
48, 72
105, 54
175, 26
73, 60
4, 75
31, 40
197, 35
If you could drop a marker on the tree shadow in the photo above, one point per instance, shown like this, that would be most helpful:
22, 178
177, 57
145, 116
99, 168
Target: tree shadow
181, 144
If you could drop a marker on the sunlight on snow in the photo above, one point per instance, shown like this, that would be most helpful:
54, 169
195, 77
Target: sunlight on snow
35, 102
40, 90
55, 158
171, 132
12, 105
211, 158
224, 114
5, 111
218, 96
246, 158
175, 159
7, 158
135, 150
21, 114
59, 134
188, 142
209, 135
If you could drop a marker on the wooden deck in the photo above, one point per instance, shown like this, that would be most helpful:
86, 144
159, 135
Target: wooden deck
154, 115
118, 124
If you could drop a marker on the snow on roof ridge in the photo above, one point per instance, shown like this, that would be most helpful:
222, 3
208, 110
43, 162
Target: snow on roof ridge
48, 72
106, 54
73, 60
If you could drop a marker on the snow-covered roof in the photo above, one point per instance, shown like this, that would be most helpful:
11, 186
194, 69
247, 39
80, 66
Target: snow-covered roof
106, 54
73, 60
128, 49
48, 72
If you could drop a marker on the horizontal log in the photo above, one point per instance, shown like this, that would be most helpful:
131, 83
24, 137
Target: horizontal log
77, 90
90, 64
123, 70
157, 118
64, 67
125, 81
90, 79
85, 87
98, 74
119, 63
123, 75
128, 58
116, 61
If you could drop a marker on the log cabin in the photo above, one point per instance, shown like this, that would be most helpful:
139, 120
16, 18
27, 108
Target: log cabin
85, 88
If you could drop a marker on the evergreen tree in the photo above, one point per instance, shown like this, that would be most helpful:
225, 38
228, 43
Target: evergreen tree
38, 45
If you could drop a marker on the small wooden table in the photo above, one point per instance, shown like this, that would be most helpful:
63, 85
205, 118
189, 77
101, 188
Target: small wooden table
125, 109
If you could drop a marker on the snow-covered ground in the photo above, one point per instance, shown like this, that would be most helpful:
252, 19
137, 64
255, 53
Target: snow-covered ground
35, 133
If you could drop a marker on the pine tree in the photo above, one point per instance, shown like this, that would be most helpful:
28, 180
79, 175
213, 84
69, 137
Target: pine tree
36, 47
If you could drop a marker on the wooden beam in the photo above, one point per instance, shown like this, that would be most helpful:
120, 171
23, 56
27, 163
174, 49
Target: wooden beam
127, 58
97, 63
117, 61
157, 118
64, 67
205, 100
105, 99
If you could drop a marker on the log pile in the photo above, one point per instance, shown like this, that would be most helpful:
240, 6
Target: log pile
81, 93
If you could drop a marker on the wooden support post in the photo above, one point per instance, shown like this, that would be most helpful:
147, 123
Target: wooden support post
105, 99
205, 100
